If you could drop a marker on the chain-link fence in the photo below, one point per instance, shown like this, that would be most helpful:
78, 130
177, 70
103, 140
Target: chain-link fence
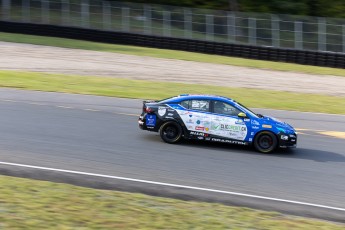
284, 31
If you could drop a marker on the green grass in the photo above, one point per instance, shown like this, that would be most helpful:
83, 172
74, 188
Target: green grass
31, 204
171, 54
116, 87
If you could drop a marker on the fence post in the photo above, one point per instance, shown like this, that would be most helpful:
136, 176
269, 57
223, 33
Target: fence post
252, 31
85, 14
106, 15
322, 34
167, 23
25, 10
298, 35
187, 23
231, 21
65, 20
6, 6
275, 31
125, 19
209, 27
45, 11
147, 19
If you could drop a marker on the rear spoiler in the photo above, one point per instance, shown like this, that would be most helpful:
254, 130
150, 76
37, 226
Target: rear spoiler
149, 101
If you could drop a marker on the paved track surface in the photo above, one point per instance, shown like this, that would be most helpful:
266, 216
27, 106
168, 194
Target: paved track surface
100, 135
28, 57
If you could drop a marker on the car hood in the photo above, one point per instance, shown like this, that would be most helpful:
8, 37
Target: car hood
280, 125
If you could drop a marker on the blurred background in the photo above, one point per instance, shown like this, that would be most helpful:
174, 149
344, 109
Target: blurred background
316, 25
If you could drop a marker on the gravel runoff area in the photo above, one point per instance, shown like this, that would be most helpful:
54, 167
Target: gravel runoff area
27, 57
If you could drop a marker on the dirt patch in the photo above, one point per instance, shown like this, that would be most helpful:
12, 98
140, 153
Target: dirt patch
15, 56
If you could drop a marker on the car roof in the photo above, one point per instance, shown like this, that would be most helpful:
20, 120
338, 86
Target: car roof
183, 97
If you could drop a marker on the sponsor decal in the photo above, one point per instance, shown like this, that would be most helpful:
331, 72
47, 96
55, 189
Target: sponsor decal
215, 127
199, 128
267, 126
252, 134
171, 110
190, 121
246, 119
201, 138
162, 111
196, 133
190, 115
207, 138
206, 123
190, 127
207, 129
239, 122
255, 127
170, 114
254, 122
232, 127
250, 139
150, 120
228, 141
198, 122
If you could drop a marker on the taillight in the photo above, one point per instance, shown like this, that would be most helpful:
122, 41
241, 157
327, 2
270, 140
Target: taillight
148, 110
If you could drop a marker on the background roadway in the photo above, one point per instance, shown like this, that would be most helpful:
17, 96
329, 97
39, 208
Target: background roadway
100, 135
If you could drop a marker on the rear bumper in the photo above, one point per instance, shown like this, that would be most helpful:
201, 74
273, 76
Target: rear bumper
141, 122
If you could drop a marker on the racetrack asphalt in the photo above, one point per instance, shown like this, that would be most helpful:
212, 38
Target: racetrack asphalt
100, 135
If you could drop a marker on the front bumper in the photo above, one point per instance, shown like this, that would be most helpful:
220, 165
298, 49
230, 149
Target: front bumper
287, 140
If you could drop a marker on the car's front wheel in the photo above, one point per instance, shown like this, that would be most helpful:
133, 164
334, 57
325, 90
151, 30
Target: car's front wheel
265, 142
171, 132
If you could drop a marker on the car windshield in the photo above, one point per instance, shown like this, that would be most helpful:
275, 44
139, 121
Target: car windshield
246, 109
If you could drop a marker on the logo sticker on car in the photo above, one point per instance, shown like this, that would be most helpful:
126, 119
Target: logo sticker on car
162, 111
150, 120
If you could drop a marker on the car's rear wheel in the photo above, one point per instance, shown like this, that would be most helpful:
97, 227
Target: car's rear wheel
265, 142
171, 132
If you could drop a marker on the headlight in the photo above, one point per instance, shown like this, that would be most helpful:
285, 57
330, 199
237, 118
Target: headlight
284, 137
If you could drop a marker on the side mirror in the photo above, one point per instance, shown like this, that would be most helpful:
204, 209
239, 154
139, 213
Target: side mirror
242, 115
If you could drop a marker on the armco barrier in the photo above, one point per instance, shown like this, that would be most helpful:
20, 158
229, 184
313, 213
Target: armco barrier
328, 59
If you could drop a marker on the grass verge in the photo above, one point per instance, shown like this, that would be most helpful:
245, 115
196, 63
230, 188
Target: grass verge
171, 54
116, 87
32, 204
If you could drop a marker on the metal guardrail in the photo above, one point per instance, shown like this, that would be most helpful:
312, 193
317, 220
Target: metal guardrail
328, 59
265, 30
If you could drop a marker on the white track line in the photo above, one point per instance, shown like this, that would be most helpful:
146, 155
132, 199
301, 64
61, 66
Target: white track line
173, 185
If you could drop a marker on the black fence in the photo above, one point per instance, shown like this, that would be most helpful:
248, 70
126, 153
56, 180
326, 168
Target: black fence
327, 59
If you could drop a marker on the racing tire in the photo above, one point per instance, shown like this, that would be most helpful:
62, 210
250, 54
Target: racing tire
171, 132
265, 142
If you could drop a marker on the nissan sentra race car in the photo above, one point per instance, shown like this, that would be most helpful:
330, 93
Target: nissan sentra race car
215, 119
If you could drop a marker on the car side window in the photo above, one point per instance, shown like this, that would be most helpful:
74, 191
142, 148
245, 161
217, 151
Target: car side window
225, 108
185, 104
202, 105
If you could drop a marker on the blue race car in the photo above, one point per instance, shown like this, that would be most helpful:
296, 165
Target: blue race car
215, 119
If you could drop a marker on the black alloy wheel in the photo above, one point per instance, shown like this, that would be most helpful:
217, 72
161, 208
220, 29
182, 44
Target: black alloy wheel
171, 132
265, 142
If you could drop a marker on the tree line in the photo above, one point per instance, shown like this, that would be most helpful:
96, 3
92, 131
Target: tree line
320, 8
